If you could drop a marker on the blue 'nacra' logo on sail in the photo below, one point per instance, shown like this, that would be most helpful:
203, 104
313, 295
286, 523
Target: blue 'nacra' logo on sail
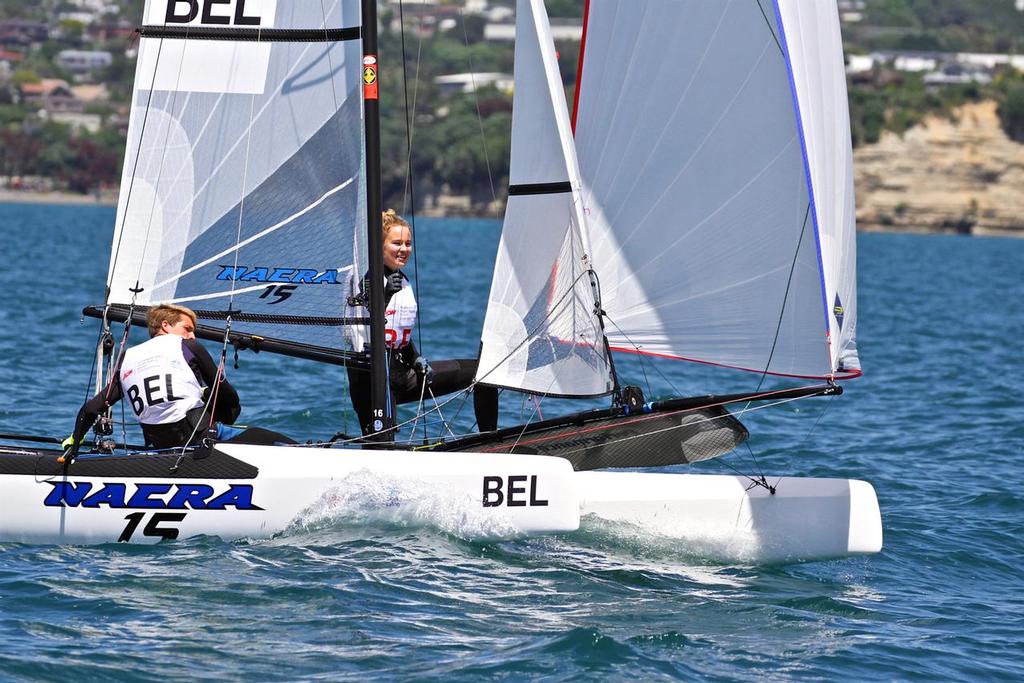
294, 276
150, 496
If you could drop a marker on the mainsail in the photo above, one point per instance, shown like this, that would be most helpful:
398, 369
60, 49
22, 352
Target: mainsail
542, 332
714, 146
243, 178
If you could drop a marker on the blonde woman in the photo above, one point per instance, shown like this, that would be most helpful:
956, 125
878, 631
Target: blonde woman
408, 369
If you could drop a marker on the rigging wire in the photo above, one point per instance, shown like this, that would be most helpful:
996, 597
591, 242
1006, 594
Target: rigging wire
120, 232
440, 414
641, 355
555, 308
135, 164
476, 103
210, 404
163, 158
409, 196
775, 339
419, 411
814, 427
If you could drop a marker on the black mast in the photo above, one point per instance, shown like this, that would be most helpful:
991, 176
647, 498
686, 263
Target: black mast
382, 421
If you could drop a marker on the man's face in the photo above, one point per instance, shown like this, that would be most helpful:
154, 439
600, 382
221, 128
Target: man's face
183, 328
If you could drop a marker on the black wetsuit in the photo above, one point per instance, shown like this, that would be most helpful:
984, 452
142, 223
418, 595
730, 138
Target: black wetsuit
407, 384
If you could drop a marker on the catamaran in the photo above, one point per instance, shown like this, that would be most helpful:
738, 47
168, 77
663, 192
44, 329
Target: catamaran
696, 204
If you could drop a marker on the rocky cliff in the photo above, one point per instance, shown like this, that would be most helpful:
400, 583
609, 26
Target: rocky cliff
962, 175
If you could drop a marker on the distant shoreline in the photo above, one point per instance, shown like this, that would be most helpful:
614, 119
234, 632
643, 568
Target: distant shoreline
73, 199
64, 198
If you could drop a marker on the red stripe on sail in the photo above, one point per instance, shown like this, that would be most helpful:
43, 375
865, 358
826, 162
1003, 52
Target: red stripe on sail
579, 65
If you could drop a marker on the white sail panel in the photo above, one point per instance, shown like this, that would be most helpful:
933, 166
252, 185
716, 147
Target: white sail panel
696, 187
207, 65
811, 34
241, 176
541, 333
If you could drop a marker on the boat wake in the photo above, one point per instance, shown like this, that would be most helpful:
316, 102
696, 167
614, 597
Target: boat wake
367, 498
689, 546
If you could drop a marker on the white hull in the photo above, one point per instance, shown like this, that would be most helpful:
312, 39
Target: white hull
480, 496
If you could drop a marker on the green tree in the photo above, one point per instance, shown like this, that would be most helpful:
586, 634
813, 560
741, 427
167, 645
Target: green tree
564, 8
23, 76
1011, 112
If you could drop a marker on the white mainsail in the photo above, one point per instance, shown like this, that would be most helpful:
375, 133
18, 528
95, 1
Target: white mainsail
241, 181
714, 146
541, 333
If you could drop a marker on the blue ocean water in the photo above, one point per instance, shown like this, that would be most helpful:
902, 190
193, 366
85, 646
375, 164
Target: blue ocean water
936, 424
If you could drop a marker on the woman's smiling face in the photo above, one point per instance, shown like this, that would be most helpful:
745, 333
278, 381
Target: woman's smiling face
397, 247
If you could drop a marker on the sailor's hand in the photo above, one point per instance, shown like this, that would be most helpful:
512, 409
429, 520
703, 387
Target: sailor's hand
422, 366
70, 446
393, 284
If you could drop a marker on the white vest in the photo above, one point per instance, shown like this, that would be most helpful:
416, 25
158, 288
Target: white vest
400, 317
157, 381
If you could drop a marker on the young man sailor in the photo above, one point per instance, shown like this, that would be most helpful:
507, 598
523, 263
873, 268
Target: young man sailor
165, 380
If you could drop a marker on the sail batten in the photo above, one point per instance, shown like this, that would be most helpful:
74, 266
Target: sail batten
270, 35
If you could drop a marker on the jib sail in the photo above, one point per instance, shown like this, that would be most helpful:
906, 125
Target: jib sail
714, 146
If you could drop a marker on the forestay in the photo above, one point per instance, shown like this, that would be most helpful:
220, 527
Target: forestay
541, 332
242, 178
714, 147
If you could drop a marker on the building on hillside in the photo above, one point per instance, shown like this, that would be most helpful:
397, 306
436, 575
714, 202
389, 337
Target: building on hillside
103, 31
940, 68
83, 61
78, 121
83, 18
423, 18
22, 33
9, 61
955, 73
851, 11
94, 6
561, 29
89, 94
51, 95
858, 64
913, 61
990, 61
471, 82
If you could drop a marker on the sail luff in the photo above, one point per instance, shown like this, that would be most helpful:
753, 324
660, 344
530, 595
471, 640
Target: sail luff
818, 82
808, 174
127, 172
541, 332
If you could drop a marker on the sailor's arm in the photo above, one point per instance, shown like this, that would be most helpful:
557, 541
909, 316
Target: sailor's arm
93, 408
228, 405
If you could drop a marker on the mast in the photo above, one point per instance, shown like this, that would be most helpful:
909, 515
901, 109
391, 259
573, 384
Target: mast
380, 402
